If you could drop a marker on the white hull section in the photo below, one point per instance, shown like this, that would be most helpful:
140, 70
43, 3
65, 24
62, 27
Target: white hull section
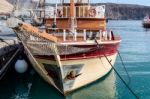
39, 68
88, 70
92, 70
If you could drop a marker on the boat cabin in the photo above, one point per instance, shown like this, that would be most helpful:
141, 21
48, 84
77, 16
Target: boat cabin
76, 20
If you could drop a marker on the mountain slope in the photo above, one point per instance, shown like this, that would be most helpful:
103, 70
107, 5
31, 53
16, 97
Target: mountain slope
113, 11
126, 11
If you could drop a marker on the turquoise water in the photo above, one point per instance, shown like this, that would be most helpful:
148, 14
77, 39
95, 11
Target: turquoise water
135, 51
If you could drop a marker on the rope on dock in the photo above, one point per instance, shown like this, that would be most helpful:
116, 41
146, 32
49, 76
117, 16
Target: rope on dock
98, 45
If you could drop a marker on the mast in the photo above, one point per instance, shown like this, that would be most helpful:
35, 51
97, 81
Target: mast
72, 14
41, 6
72, 8
88, 2
44, 12
55, 16
16, 6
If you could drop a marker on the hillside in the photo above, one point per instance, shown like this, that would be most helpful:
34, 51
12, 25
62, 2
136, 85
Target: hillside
126, 11
22, 4
113, 11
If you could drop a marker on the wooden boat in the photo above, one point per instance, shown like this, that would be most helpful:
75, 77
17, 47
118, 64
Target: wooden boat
74, 50
146, 22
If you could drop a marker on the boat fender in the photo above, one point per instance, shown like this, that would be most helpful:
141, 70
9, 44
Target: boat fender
21, 66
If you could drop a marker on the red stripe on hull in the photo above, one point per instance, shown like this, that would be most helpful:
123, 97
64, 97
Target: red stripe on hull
107, 49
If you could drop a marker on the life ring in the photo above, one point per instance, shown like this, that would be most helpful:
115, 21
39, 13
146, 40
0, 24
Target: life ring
59, 13
92, 12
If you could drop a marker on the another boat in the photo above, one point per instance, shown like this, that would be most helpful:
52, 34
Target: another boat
146, 22
9, 49
75, 49
8, 54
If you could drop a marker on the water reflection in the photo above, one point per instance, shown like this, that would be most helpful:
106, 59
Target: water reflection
21, 92
102, 89
146, 29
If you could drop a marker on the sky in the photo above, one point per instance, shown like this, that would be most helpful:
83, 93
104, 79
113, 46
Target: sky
139, 2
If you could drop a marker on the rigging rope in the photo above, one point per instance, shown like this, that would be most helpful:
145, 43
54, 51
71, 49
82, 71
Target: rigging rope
124, 66
98, 45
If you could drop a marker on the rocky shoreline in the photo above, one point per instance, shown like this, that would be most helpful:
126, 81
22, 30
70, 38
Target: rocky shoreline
126, 11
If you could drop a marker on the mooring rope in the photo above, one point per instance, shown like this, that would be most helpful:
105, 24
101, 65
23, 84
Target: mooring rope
124, 66
2, 40
98, 45
9, 45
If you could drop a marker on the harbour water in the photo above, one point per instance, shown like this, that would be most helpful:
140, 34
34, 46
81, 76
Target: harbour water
135, 52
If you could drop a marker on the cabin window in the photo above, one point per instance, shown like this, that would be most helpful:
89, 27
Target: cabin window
68, 11
82, 11
64, 11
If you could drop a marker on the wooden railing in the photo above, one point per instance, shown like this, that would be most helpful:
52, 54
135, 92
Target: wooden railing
86, 35
80, 12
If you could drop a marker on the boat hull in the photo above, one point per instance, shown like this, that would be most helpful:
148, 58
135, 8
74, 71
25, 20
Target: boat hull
146, 25
88, 71
68, 65
8, 56
85, 70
